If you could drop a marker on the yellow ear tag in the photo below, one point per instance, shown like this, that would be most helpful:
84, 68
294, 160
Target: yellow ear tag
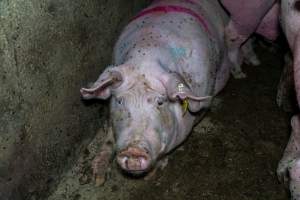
185, 106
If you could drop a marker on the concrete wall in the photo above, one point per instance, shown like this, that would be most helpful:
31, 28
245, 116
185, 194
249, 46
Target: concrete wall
48, 50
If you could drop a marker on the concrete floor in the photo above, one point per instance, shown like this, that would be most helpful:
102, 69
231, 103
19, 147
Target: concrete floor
232, 154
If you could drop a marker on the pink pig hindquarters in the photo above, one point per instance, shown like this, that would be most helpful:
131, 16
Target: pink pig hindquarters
246, 18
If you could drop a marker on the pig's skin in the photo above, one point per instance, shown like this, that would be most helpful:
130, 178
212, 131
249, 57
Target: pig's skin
248, 17
286, 98
289, 166
160, 60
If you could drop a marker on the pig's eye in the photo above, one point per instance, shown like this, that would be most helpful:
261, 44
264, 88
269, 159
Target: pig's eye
160, 101
120, 100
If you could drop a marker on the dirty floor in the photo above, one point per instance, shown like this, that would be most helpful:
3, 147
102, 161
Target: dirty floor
232, 154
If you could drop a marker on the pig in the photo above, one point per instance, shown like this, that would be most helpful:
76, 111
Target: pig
168, 64
248, 17
288, 170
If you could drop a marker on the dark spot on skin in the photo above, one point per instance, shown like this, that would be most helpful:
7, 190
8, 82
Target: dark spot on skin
160, 103
297, 5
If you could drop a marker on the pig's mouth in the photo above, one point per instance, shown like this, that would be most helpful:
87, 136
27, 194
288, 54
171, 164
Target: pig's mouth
134, 160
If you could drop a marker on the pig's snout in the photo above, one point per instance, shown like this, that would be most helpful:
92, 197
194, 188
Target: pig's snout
134, 160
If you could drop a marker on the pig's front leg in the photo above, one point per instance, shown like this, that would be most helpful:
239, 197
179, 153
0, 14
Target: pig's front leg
234, 40
288, 170
286, 89
249, 55
102, 161
295, 180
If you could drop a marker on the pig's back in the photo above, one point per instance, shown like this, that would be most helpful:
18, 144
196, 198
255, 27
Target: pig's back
195, 24
188, 41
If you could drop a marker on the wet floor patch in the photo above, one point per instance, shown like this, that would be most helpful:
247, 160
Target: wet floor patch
232, 154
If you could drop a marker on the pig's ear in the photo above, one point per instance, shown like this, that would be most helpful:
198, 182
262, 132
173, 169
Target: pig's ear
177, 89
101, 89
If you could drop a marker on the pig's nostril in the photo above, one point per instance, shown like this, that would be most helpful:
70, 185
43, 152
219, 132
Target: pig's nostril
124, 160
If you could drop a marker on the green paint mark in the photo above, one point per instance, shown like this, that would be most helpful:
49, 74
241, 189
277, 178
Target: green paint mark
178, 52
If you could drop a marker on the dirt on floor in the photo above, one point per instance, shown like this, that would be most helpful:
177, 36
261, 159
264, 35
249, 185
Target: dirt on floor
232, 154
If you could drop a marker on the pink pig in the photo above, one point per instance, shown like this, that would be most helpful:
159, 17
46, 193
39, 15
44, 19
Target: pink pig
168, 64
248, 17
288, 169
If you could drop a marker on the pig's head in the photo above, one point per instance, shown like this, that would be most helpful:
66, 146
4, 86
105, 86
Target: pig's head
146, 112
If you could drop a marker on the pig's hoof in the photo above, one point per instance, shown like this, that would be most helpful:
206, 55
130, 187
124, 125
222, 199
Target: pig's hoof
254, 61
100, 166
287, 168
99, 180
100, 177
238, 74
283, 171
283, 100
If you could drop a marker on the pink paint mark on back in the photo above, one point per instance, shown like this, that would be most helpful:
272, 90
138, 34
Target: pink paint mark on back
190, 1
172, 8
187, 1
